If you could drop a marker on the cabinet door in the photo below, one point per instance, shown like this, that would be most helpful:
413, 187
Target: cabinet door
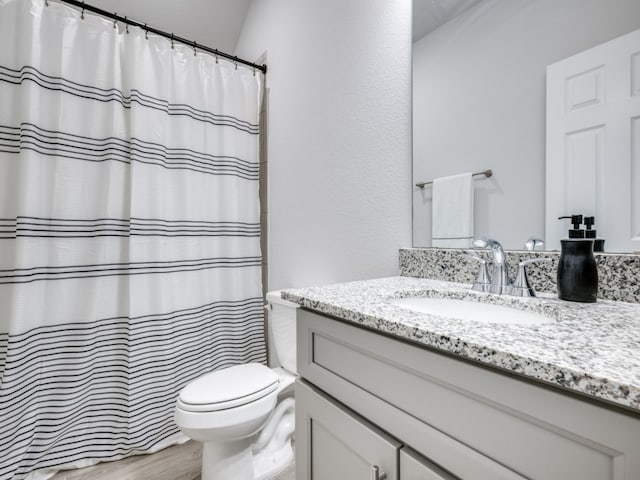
333, 443
414, 466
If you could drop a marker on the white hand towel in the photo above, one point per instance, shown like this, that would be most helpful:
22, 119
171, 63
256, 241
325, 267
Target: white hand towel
452, 208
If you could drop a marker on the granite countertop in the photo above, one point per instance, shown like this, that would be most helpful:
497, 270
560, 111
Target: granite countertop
593, 349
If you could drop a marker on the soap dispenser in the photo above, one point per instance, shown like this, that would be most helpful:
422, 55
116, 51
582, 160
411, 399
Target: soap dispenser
577, 269
598, 244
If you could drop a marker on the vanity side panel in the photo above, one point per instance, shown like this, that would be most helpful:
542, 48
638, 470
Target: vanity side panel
533, 430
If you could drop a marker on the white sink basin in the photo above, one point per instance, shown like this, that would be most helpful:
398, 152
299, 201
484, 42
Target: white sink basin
470, 310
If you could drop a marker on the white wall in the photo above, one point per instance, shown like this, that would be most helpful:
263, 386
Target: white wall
479, 102
339, 131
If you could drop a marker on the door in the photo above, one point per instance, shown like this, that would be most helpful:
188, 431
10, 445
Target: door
333, 443
593, 143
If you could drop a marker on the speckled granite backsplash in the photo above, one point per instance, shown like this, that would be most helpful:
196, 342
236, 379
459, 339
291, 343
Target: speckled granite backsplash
618, 274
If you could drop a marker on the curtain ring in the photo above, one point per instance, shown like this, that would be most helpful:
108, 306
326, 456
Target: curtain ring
216, 54
82, 11
235, 62
146, 32
46, 3
126, 26
115, 20
194, 48
254, 71
172, 41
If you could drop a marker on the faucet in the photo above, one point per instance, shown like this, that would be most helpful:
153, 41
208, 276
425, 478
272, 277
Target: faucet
500, 279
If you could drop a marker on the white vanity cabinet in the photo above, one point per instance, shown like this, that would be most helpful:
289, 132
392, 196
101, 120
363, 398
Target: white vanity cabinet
366, 399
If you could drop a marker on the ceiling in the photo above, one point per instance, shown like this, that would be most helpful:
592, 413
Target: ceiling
430, 14
218, 23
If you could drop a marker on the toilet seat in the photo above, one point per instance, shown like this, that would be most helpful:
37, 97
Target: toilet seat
228, 388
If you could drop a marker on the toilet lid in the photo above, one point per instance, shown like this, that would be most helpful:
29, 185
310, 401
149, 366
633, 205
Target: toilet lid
229, 387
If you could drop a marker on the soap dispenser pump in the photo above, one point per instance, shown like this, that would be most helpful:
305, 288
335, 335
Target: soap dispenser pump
577, 269
598, 244
576, 231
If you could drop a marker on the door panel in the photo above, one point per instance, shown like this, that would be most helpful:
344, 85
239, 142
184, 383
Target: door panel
635, 170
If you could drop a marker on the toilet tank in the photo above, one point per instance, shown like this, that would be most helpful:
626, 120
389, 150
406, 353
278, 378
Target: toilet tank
281, 325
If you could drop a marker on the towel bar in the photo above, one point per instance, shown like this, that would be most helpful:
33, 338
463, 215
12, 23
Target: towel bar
486, 173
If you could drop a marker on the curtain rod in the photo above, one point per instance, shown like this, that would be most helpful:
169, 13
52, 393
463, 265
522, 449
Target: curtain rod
170, 36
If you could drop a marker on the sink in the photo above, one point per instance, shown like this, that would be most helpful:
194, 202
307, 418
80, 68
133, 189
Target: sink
470, 310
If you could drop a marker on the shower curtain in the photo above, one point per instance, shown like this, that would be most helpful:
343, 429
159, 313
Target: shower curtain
129, 233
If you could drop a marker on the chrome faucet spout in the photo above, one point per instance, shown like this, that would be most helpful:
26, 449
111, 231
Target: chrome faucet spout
500, 278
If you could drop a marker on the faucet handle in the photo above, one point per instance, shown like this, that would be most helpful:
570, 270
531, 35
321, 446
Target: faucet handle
483, 281
486, 243
521, 286
532, 243
480, 243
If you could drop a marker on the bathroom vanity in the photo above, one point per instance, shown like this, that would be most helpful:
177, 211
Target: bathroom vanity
388, 392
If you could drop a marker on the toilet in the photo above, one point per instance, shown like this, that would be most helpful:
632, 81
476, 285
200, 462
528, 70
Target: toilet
244, 415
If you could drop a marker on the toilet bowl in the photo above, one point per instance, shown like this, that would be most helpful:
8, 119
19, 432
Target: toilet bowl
244, 415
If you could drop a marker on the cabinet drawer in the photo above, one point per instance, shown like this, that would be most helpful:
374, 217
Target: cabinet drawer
502, 426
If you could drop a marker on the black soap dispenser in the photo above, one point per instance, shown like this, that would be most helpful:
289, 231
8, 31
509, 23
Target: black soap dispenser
577, 269
598, 243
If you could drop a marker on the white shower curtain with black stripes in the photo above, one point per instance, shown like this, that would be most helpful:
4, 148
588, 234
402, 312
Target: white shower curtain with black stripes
129, 233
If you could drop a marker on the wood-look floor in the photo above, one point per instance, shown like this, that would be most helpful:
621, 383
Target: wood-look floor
180, 462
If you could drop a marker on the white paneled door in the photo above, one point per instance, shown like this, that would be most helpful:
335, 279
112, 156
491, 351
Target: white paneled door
593, 142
